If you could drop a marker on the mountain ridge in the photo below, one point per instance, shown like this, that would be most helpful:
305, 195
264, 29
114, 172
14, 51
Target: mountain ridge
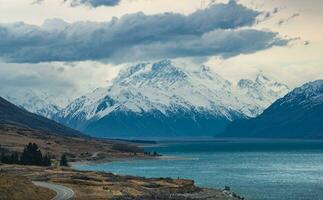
299, 114
12, 115
37, 102
167, 95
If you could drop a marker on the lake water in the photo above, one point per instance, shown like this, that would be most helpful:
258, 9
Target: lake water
258, 170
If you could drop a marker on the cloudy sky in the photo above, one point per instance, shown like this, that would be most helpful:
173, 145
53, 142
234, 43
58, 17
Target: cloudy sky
70, 47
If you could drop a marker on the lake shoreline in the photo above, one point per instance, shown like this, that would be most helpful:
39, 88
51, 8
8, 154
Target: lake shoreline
93, 185
252, 169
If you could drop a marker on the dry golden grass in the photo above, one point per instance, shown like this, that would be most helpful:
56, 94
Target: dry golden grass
97, 185
86, 185
17, 188
77, 148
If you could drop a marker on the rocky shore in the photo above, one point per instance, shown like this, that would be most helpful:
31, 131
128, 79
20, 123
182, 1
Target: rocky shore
89, 185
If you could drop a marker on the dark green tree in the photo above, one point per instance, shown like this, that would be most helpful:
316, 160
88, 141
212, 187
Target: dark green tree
14, 158
26, 156
2, 156
63, 162
31, 155
46, 160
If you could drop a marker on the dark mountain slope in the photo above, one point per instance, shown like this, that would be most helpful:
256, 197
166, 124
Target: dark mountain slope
19, 127
297, 115
13, 115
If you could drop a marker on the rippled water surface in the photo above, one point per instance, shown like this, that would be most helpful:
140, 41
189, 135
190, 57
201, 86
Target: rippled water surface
258, 170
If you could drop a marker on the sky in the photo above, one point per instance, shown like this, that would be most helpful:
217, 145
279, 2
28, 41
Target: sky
70, 47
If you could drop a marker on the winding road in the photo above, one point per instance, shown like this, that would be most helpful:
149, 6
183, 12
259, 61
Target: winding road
62, 192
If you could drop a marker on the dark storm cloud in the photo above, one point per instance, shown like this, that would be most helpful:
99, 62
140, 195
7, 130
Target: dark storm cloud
33, 80
93, 3
216, 30
89, 3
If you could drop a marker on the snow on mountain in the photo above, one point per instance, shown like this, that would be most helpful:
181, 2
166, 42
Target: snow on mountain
309, 95
259, 94
36, 102
165, 94
299, 114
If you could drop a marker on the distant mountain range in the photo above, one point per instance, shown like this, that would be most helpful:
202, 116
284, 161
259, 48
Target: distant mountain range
13, 116
299, 114
37, 102
164, 99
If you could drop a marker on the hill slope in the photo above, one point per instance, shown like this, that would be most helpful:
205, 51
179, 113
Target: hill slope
18, 127
36, 101
299, 114
17, 187
12, 115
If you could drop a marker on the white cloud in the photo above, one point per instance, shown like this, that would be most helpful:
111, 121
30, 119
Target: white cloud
294, 64
69, 80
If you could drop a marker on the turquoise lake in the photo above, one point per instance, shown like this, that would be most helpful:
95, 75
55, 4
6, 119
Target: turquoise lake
257, 170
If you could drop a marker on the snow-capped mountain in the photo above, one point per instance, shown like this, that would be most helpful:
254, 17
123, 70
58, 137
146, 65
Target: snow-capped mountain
307, 96
161, 99
299, 114
36, 102
259, 94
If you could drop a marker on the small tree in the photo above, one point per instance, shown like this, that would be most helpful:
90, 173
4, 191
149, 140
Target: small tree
46, 160
32, 155
14, 158
63, 161
2, 157
29, 154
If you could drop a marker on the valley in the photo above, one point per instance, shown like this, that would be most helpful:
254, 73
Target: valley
19, 127
161, 100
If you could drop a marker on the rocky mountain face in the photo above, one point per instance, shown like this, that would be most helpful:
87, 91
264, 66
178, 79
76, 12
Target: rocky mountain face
299, 114
259, 94
165, 100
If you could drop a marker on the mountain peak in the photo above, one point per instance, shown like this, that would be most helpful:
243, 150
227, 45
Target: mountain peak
309, 94
38, 102
151, 98
296, 115
159, 73
310, 88
263, 91
261, 78
161, 64
315, 85
205, 72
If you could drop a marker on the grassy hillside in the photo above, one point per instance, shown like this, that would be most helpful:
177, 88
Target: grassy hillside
19, 127
17, 187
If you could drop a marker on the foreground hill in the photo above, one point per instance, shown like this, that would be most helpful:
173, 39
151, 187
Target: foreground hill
89, 185
165, 99
19, 127
299, 114
16, 188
